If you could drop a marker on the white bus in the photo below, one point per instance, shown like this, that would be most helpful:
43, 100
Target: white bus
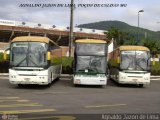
130, 65
90, 62
34, 60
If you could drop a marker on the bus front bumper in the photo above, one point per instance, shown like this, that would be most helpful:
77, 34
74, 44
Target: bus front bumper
89, 80
130, 78
23, 78
39, 80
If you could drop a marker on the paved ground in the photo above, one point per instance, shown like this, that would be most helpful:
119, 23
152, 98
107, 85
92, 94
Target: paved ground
62, 101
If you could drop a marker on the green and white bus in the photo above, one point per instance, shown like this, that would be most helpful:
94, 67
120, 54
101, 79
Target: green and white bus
34, 60
90, 62
130, 65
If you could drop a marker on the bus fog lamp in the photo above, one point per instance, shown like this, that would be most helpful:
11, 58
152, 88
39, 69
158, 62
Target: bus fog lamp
123, 77
146, 78
41, 77
13, 76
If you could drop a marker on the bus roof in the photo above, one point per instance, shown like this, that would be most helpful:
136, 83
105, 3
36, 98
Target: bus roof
131, 47
31, 38
90, 41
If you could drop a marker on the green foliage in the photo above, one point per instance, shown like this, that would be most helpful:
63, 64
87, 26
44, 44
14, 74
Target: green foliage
155, 69
121, 38
153, 45
106, 25
113, 63
56, 61
1, 57
67, 65
66, 62
131, 41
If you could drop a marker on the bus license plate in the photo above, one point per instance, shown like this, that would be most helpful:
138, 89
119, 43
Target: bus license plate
26, 79
135, 80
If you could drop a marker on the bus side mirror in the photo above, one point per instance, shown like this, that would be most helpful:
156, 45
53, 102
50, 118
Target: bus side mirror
48, 56
6, 55
153, 62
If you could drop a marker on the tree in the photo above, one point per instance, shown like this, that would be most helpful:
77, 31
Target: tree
153, 45
121, 38
115, 33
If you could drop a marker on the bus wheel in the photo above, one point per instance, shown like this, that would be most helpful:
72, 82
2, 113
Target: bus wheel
140, 85
48, 85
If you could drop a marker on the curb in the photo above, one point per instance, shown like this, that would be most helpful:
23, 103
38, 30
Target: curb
5, 78
4, 73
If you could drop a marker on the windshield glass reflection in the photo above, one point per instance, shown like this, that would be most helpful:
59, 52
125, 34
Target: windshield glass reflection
94, 64
135, 60
26, 54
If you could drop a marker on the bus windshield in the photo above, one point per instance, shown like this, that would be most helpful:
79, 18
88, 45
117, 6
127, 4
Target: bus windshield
135, 60
28, 54
91, 49
91, 57
91, 64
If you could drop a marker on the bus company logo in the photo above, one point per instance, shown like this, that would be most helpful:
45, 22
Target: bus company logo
4, 117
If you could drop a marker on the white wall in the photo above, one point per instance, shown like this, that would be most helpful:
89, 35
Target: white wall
110, 46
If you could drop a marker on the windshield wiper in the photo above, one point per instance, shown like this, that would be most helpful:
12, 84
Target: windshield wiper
138, 64
89, 69
21, 61
93, 69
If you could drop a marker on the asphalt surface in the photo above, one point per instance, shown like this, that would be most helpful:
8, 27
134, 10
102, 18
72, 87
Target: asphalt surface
62, 101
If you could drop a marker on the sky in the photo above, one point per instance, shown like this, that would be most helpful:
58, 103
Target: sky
60, 16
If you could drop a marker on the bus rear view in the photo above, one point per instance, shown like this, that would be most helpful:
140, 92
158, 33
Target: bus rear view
90, 62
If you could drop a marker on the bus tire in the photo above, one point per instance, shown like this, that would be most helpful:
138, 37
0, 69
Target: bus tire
50, 83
